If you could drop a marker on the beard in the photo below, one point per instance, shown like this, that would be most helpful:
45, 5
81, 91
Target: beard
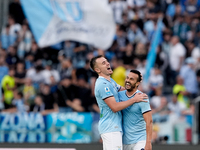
132, 86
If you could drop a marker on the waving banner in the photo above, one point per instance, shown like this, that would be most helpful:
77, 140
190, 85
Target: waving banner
86, 21
151, 57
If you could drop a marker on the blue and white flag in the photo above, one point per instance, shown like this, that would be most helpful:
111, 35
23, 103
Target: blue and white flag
86, 21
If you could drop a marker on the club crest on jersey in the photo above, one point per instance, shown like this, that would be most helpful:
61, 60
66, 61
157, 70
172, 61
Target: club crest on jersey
107, 90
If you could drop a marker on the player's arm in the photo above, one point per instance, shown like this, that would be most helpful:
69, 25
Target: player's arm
117, 106
122, 88
148, 119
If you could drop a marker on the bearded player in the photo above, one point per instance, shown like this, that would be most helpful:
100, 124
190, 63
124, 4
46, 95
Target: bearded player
137, 118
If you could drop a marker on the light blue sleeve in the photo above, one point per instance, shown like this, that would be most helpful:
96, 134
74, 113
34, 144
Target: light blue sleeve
145, 106
104, 91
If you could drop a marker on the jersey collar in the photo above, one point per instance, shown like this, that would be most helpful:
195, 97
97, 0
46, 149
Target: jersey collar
104, 78
131, 95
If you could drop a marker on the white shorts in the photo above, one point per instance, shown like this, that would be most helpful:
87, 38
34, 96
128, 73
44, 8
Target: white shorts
137, 146
112, 141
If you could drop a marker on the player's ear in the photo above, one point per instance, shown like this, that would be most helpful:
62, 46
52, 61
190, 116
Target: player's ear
137, 84
97, 70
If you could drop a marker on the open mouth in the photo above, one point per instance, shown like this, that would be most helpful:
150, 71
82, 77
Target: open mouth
128, 84
108, 68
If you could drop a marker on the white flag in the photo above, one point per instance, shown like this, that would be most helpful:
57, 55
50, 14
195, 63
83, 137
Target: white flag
86, 21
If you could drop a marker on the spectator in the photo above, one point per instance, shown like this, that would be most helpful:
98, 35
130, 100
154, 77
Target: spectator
67, 69
14, 27
87, 74
128, 56
66, 92
41, 107
191, 7
20, 74
119, 71
125, 21
197, 38
53, 84
9, 33
61, 57
122, 41
18, 102
29, 61
48, 73
161, 59
6, 39
80, 51
12, 57
8, 86
189, 76
48, 98
135, 35
180, 90
35, 52
176, 107
118, 7
28, 90
155, 81
181, 28
136, 9
140, 51
176, 57
150, 25
195, 26
24, 39
195, 54
140, 66
36, 75
69, 49
166, 46
159, 107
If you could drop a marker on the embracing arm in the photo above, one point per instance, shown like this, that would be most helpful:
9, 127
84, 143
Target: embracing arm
148, 119
117, 106
122, 88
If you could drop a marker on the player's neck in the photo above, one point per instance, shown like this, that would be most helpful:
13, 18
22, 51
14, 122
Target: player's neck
130, 93
105, 76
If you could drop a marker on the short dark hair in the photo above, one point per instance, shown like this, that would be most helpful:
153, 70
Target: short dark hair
20, 94
138, 73
93, 61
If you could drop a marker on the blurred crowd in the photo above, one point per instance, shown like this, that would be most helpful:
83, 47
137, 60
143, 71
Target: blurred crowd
59, 79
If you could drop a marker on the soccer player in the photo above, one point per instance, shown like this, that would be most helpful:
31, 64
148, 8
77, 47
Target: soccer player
137, 118
106, 93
